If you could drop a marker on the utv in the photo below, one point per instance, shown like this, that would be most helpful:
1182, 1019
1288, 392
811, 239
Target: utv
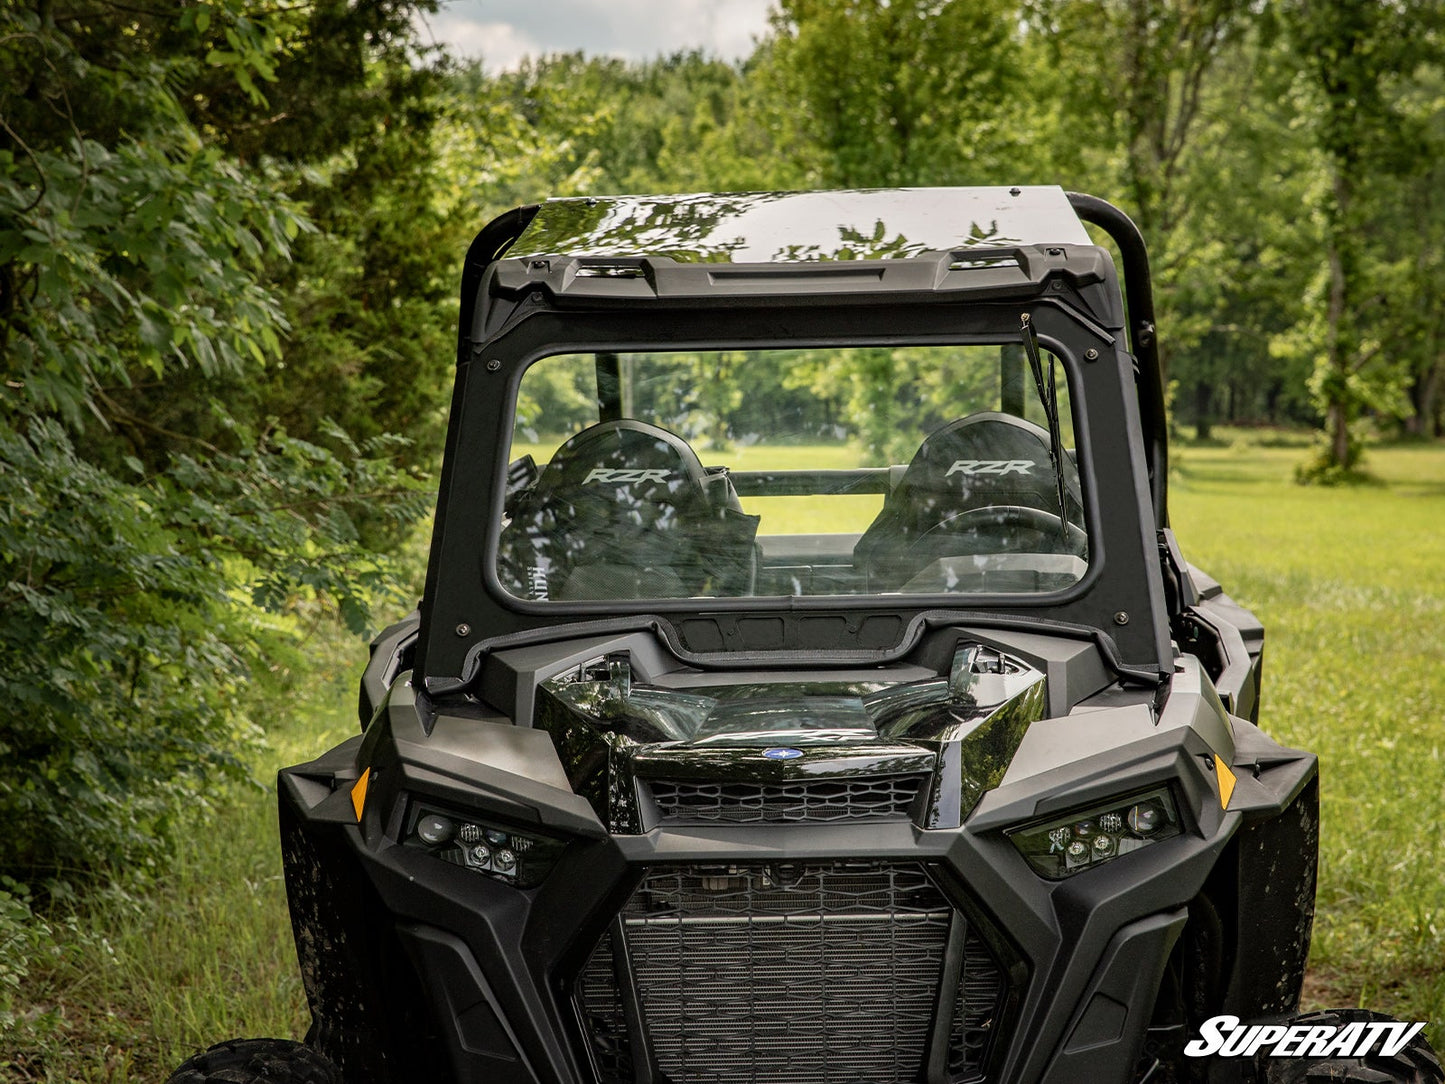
808, 687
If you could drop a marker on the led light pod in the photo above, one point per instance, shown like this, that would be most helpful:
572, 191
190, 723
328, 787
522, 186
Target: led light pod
517, 858
1062, 846
435, 829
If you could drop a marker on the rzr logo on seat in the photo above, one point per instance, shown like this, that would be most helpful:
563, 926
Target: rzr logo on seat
990, 466
623, 474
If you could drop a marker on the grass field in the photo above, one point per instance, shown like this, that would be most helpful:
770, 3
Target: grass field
1350, 584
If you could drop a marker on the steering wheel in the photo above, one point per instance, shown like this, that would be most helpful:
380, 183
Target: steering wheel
1011, 515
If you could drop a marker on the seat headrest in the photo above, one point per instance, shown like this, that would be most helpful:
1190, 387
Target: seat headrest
989, 458
627, 461
626, 509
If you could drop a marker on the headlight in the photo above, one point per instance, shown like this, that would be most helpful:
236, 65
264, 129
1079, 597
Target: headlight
504, 853
1063, 846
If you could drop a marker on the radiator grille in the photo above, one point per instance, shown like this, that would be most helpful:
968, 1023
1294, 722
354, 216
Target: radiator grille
818, 973
812, 800
975, 1012
601, 1001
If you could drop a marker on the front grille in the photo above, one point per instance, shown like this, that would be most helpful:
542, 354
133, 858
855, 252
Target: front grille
816, 800
794, 973
975, 1011
600, 999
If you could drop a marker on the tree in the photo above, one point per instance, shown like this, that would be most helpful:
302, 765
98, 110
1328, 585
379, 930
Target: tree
1141, 100
1347, 55
146, 518
907, 92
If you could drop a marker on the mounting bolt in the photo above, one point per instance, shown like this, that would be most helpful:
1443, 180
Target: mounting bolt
1121, 618
1058, 285
464, 629
1091, 354
493, 365
1015, 191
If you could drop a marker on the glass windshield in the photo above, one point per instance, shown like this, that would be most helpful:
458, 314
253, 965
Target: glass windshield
827, 471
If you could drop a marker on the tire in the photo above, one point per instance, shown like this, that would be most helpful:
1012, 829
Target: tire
257, 1061
1415, 1064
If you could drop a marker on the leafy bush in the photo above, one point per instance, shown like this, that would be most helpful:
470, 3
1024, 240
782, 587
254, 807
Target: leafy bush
19, 934
152, 521
133, 619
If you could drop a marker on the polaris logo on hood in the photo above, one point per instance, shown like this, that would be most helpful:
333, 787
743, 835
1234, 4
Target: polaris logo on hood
1224, 1036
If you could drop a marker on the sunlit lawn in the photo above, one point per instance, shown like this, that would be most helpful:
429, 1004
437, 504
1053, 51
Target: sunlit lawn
1350, 584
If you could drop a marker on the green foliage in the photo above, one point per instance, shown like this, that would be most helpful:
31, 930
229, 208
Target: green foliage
908, 92
126, 984
1348, 58
369, 293
21, 936
155, 520
124, 652
123, 251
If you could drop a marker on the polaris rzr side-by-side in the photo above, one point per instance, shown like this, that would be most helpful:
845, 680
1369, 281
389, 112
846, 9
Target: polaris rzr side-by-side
808, 687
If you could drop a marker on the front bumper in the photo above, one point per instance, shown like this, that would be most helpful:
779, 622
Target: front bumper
419, 969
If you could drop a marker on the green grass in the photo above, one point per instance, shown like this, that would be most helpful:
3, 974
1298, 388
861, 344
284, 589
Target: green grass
136, 985
1349, 583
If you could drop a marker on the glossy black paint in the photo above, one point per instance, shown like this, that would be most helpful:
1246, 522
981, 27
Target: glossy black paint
962, 738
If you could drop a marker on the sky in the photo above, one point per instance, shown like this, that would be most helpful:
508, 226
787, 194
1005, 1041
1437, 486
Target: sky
502, 32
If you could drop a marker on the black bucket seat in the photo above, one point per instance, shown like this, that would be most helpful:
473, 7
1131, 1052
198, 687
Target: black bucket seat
625, 510
977, 485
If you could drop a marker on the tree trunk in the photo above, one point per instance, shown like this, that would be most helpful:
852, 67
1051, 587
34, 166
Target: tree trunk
1424, 395
1203, 394
1335, 389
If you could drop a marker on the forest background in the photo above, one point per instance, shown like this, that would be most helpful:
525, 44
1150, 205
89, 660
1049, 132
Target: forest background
230, 235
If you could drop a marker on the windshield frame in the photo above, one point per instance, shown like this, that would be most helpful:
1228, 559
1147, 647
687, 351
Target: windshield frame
466, 614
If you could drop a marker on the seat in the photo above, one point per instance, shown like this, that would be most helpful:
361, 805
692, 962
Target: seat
983, 484
626, 510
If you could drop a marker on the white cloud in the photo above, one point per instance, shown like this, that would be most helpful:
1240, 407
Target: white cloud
501, 32
501, 46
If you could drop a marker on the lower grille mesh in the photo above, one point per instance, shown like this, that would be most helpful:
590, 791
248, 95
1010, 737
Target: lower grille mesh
601, 1002
975, 1012
819, 973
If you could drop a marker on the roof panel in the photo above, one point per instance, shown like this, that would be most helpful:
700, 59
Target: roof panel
785, 227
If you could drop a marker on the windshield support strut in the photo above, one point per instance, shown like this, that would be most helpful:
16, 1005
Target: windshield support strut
1048, 397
